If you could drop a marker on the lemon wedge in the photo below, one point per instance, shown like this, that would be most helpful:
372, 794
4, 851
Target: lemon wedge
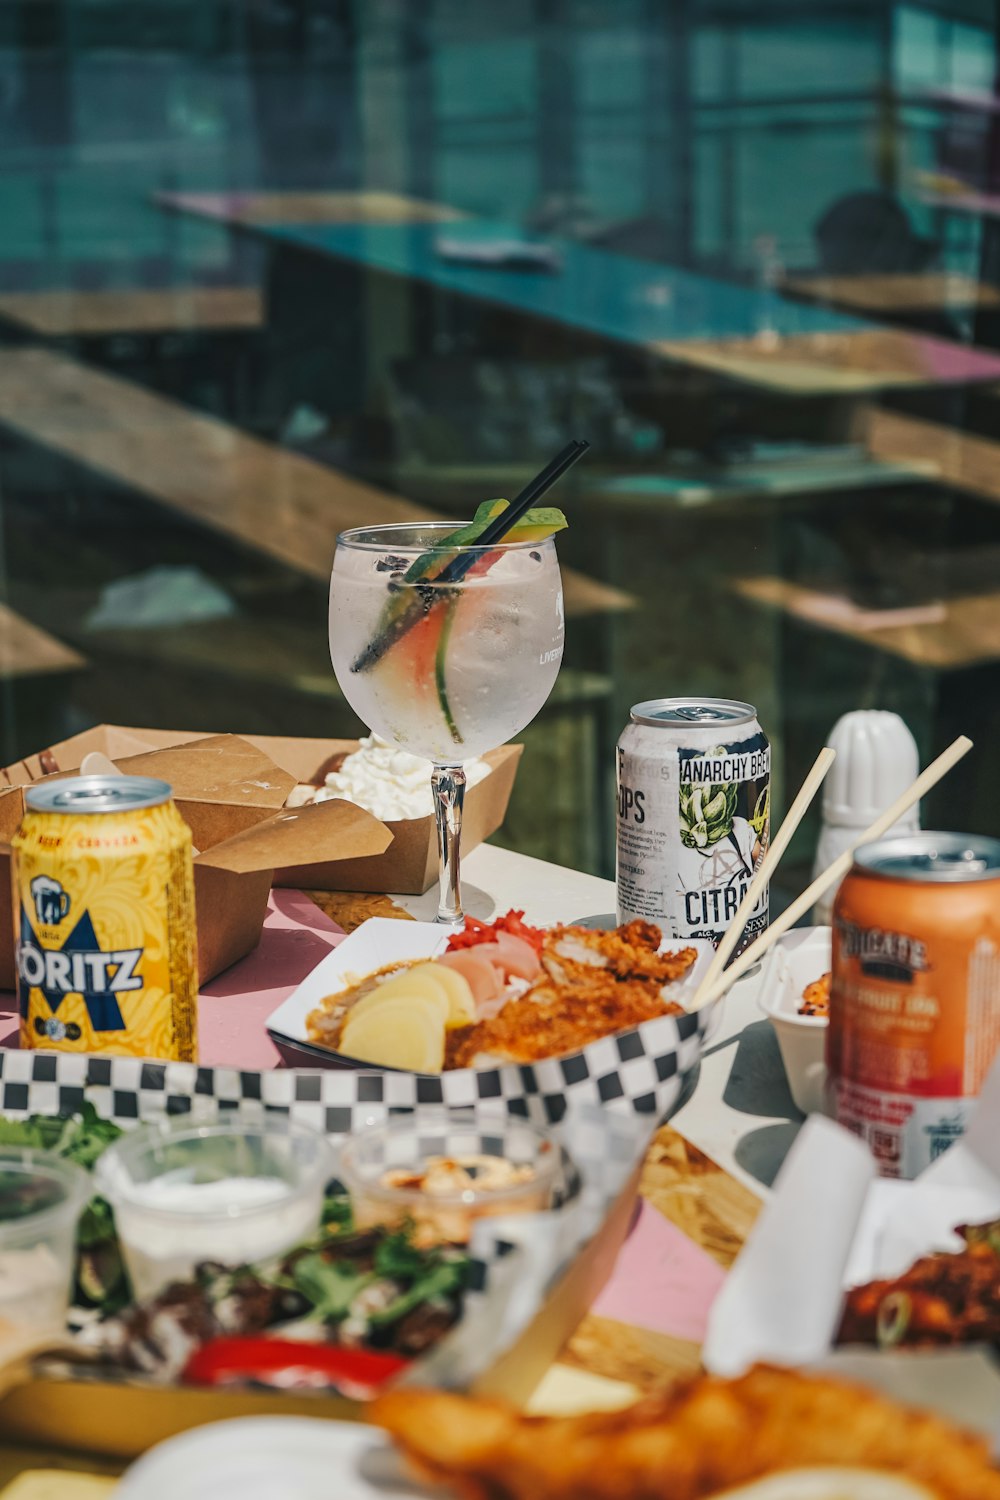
423, 980
404, 1031
409, 983
461, 1005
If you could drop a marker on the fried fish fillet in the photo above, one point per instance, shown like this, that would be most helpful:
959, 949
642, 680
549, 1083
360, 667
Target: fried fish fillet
596, 983
702, 1439
571, 955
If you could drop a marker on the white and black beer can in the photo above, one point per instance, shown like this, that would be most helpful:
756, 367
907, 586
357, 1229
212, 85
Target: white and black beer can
693, 780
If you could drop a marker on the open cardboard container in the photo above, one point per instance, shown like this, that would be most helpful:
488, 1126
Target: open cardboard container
232, 795
409, 866
231, 790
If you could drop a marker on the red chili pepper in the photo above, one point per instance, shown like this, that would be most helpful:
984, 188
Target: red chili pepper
476, 932
292, 1365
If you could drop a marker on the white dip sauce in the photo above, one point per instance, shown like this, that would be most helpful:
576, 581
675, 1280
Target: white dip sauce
195, 1221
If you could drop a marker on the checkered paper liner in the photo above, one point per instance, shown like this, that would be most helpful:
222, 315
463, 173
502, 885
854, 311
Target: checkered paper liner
645, 1071
515, 1259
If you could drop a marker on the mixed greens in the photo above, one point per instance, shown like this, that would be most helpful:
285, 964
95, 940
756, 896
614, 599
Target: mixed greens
375, 1288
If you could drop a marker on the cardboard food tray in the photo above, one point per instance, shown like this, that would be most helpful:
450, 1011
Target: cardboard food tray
232, 795
122, 1419
409, 866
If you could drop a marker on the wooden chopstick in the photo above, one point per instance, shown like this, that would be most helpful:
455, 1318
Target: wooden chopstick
765, 869
752, 955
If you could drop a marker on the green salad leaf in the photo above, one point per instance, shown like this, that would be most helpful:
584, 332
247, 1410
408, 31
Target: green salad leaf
439, 1279
330, 1285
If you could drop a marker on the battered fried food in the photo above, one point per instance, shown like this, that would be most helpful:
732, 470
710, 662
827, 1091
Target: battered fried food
946, 1298
816, 997
574, 955
596, 984
551, 1021
703, 1438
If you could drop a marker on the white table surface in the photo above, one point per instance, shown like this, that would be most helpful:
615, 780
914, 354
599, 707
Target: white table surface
741, 1113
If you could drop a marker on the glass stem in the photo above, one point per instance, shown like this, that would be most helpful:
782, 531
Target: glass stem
448, 788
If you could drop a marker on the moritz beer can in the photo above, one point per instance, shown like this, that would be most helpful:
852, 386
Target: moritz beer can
104, 919
915, 993
693, 779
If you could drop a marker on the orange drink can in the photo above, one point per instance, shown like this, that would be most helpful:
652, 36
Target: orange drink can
915, 993
104, 919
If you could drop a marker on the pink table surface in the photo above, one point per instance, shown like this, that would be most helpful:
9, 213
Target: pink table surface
232, 1009
662, 1281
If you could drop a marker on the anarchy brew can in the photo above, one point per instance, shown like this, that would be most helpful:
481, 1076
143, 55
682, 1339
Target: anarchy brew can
104, 919
915, 993
693, 779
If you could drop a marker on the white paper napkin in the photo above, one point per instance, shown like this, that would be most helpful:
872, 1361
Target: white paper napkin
781, 1300
832, 1223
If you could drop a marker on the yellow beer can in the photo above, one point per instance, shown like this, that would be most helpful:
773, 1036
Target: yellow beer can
104, 919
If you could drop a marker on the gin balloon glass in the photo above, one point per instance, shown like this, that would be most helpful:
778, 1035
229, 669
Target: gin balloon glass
445, 652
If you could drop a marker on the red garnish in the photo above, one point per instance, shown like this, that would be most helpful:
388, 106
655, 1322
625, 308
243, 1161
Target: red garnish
292, 1365
476, 932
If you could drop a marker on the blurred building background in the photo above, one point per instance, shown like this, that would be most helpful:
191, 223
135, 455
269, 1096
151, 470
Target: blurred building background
240, 309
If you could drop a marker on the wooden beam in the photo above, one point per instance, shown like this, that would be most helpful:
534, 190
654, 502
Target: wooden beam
171, 310
309, 208
909, 292
27, 651
278, 502
959, 458
944, 634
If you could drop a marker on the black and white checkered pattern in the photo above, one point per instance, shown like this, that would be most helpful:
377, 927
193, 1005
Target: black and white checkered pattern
600, 1148
645, 1071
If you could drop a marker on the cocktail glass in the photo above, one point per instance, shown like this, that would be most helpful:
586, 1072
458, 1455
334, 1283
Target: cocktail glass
445, 670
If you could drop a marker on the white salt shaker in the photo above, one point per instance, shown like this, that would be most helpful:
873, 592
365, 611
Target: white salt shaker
876, 761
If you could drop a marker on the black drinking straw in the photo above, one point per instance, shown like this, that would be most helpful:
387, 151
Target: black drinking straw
498, 528
456, 570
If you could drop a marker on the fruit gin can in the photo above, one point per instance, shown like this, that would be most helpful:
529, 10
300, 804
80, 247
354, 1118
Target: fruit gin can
104, 919
693, 783
915, 993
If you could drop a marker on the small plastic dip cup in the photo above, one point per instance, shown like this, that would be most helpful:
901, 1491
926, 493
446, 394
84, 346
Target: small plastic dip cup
41, 1198
443, 1172
231, 1193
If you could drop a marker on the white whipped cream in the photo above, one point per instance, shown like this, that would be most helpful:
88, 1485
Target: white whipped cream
388, 782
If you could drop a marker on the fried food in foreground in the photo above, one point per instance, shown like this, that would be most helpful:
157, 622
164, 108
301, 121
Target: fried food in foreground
699, 1440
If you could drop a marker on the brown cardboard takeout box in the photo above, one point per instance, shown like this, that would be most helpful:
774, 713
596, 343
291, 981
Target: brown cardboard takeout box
232, 795
410, 864
231, 790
